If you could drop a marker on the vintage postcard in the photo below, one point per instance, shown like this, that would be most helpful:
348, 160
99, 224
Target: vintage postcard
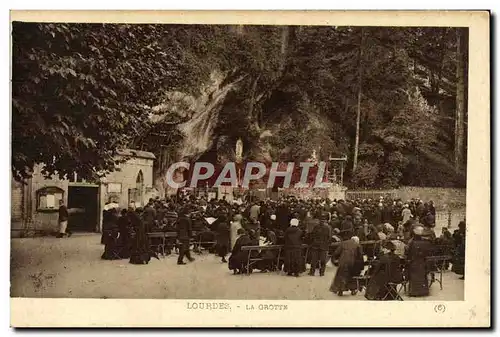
250, 169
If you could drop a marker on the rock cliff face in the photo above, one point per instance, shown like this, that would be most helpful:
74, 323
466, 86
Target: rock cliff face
198, 115
208, 135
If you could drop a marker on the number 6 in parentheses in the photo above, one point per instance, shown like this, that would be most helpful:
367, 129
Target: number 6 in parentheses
439, 308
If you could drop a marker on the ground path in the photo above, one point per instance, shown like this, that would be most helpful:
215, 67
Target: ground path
71, 267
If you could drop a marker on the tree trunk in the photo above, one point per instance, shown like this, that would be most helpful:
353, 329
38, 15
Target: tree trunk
285, 31
288, 37
358, 112
438, 102
460, 99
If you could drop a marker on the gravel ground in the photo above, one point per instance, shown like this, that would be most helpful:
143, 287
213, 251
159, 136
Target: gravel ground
71, 267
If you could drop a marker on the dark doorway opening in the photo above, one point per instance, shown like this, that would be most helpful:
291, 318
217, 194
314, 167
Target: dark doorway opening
83, 201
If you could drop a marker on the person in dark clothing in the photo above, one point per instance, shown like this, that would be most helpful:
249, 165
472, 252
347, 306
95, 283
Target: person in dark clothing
445, 245
458, 266
271, 238
254, 239
124, 238
385, 270
238, 257
378, 214
197, 222
149, 216
335, 222
282, 216
222, 237
387, 214
184, 233
140, 252
340, 208
431, 208
362, 231
265, 218
294, 261
63, 220
207, 238
111, 245
429, 220
170, 218
268, 262
321, 238
420, 209
161, 210
417, 250
350, 255
347, 228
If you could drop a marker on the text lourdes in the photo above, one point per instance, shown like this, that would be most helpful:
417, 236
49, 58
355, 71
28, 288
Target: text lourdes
208, 306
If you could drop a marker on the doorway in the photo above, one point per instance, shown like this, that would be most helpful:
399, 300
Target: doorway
83, 201
135, 195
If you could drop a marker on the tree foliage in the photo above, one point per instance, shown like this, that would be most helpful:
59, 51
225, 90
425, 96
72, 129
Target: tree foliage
82, 91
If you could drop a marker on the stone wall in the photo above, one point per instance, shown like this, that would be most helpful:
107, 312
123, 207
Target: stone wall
305, 193
48, 220
17, 212
443, 197
454, 198
127, 178
24, 212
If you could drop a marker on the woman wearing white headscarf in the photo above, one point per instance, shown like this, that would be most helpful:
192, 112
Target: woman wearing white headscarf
350, 255
235, 225
294, 261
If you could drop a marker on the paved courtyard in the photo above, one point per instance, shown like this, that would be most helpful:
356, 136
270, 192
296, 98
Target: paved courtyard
71, 267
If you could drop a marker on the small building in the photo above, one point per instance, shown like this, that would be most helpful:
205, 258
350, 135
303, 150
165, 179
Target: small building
35, 203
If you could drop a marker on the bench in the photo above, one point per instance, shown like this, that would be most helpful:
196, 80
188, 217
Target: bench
198, 243
251, 259
362, 281
439, 262
163, 236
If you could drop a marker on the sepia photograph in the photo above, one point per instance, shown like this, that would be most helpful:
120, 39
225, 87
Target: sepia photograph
212, 162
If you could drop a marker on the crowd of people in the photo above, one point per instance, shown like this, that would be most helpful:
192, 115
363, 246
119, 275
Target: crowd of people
387, 239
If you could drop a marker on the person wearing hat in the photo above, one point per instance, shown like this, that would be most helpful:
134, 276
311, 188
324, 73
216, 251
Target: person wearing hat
321, 237
294, 261
417, 251
385, 270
